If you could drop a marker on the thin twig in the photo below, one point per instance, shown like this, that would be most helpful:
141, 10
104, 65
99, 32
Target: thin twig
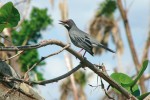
131, 44
104, 69
103, 87
43, 58
146, 48
147, 77
83, 60
94, 86
5, 38
108, 92
108, 95
25, 12
17, 3
7, 80
127, 10
45, 81
20, 52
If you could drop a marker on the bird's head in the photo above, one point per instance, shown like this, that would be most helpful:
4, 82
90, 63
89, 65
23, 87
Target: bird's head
67, 23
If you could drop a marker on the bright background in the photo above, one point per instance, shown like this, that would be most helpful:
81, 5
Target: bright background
82, 12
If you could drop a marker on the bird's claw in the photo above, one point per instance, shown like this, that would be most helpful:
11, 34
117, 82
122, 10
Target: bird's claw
84, 58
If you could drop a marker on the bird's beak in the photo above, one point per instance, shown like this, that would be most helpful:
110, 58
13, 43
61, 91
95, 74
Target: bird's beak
62, 22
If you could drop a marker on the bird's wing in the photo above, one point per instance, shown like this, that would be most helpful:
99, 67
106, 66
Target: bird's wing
85, 39
95, 43
84, 42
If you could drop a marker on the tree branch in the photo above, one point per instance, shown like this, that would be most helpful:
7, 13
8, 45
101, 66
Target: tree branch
46, 81
17, 3
20, 52
147, 77
146, 48
131, 44
43, 58
129, 36
84, 62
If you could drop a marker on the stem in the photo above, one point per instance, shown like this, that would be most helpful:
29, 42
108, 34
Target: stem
131, 44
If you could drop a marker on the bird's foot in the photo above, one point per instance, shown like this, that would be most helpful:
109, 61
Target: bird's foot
80, 50
84, 58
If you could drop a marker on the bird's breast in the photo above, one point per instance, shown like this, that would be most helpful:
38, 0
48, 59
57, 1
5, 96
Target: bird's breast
74, 40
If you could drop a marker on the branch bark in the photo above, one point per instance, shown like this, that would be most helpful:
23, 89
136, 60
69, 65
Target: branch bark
45, 81
84, 62
7, 88
43, 58
146, 48
131, 44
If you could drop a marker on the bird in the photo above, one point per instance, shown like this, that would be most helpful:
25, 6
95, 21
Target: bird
81, 39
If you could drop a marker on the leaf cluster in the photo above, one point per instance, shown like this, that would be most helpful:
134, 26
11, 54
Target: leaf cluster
131, 84
107, 8
29, 33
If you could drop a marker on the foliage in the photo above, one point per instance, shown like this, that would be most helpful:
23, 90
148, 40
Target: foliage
144, 66
125, 79
107, 8
80, 81
29, 33
143, 96
9, 16
128, 83
104, 26
81, 78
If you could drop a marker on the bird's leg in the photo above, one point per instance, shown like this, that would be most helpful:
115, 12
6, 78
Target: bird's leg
80, 50
84, 53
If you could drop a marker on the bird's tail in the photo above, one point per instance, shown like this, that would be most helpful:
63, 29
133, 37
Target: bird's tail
100, 45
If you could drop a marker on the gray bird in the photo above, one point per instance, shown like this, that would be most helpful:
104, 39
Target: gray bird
80, 38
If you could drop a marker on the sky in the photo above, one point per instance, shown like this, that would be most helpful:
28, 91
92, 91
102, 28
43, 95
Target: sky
82, 12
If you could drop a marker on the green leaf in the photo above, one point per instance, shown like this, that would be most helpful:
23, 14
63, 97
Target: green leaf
144, 66
143, 96
107, 8
30, 32
122, 79
9, 16
127, 82
39, 76
2, 45
80, 78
